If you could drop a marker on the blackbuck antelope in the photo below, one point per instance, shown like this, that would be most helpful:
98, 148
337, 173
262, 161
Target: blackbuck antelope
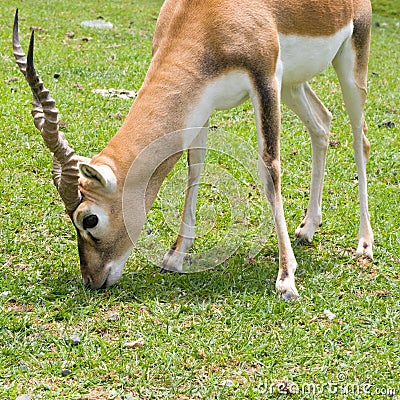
209, 55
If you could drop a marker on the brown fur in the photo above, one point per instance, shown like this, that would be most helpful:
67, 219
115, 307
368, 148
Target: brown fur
246, 39
361, 41
199, 40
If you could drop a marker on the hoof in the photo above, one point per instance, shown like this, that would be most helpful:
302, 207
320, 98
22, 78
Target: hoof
173, 262
306, 230
303, 238
287, 289
305, 233
291, 294
364, 249
170, 271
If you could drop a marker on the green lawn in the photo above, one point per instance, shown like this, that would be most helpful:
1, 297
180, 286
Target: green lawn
389, 8
218, 334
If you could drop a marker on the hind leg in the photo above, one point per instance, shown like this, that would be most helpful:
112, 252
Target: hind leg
351, 67
317, 119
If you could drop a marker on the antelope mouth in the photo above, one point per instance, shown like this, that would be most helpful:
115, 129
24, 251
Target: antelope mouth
100, 285
105, 284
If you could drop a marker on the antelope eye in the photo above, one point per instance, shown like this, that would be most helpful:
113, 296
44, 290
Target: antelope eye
90, 221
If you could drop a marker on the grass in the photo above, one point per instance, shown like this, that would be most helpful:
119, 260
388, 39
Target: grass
221, 333
386, 8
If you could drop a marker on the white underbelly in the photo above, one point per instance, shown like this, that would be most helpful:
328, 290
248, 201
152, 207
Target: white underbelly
304, 57
301, 58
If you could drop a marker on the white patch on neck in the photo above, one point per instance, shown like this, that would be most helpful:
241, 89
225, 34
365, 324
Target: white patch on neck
304, 57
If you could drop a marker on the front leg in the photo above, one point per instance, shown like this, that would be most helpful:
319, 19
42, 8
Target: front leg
173, 259
266, 104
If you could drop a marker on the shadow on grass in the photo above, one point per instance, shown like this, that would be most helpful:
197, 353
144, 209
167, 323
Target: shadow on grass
236, 277
61, 286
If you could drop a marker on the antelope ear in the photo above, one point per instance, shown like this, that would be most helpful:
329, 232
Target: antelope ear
102, 174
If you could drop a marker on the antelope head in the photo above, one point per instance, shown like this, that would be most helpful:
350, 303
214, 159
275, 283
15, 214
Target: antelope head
91, 192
